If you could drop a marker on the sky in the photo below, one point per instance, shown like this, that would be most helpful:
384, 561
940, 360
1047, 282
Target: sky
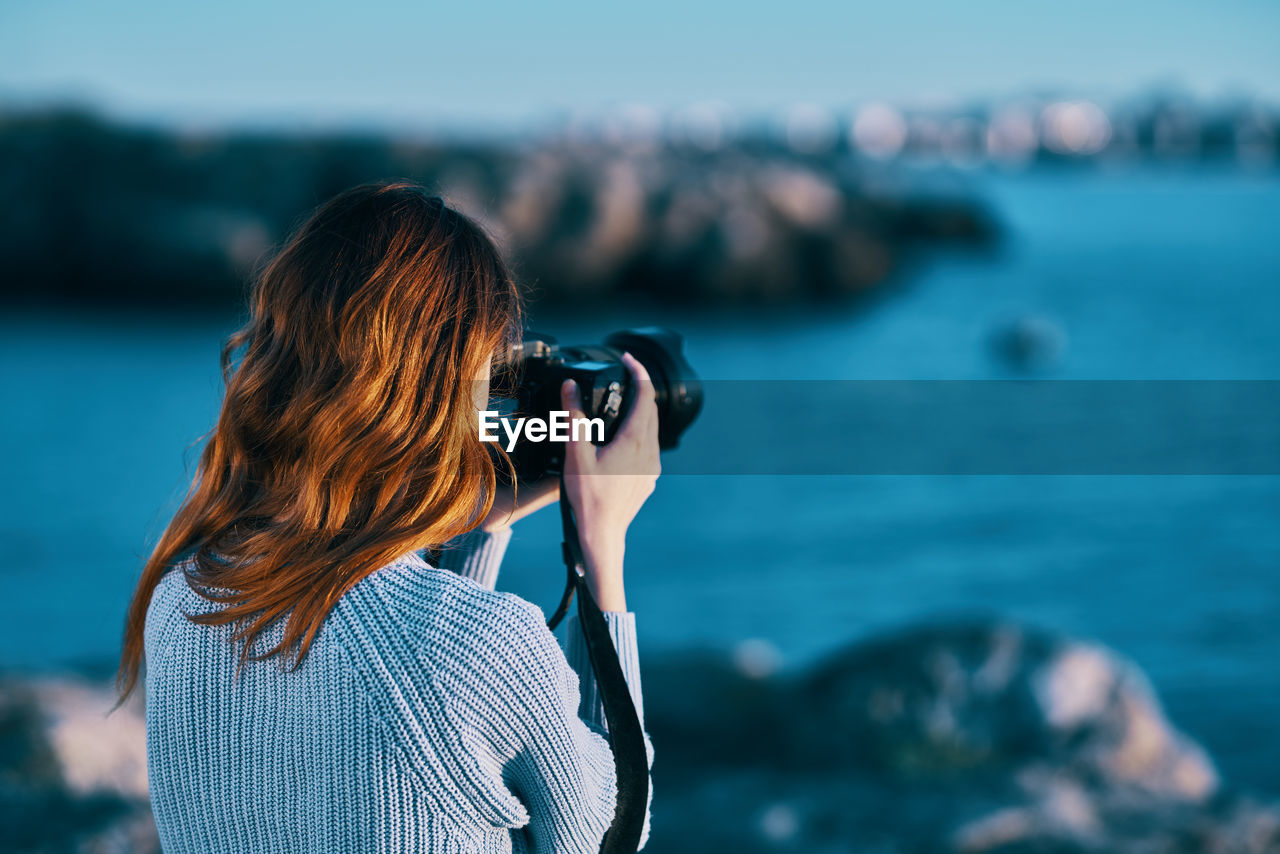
502, 64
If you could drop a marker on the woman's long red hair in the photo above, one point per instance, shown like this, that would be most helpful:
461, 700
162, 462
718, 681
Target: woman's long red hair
348, 433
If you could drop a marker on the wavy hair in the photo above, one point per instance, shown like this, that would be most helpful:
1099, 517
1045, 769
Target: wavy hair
348, 432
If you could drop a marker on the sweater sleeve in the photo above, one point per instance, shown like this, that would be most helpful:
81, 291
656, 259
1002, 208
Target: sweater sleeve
564, 771
622, 628
476, 555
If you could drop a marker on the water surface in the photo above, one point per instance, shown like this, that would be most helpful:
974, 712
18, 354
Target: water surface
1150, 275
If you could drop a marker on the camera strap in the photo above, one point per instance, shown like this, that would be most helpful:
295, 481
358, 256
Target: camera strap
626, 737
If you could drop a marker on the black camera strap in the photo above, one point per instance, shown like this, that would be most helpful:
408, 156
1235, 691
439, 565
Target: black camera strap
626, 737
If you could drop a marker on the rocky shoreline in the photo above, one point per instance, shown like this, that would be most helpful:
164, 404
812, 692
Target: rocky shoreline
979, 736
959, 737
110, 215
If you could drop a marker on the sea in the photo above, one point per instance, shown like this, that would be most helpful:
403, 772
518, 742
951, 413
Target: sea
1138, 274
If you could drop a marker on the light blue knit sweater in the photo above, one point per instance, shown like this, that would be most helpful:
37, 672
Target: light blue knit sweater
431, 715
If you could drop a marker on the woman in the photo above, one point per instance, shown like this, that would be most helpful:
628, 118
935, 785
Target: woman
313, 684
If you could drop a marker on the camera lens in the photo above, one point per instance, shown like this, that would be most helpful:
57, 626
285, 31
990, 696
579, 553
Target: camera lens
676, 386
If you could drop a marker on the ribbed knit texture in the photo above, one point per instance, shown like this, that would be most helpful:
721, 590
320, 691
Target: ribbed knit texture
431, 715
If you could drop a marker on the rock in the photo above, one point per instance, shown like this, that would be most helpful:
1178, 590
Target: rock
160, 220
1028, 343
975, 736
972, 737
73, 778
971, 696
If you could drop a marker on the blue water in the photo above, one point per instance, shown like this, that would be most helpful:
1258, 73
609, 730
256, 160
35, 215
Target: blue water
1151, 275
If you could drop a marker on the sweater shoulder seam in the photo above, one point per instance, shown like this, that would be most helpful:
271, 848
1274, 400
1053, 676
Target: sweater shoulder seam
490, 810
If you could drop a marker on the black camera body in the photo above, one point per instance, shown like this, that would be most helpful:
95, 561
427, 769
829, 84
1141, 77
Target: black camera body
540, 366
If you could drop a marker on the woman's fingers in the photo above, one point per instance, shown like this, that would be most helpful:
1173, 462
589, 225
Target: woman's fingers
634, 448
638, 371
578, 454
571, 398
641, 420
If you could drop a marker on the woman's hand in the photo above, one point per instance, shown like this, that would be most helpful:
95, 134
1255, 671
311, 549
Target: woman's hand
608, 484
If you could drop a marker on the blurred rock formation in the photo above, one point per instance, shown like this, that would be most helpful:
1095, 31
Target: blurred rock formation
73, 779
977, 736
961, 737
109, 215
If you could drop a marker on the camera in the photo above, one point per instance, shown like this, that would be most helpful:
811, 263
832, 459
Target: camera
539, 365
